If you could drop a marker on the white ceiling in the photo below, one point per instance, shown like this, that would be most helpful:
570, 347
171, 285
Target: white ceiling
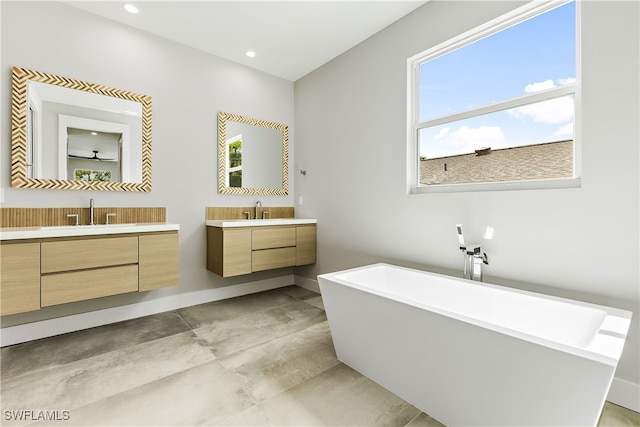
290, 38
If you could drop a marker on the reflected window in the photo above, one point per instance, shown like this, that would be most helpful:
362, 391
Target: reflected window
234, 161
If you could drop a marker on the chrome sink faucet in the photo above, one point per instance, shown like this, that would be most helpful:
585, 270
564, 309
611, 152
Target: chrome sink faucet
258, 204
91, 212
473, 258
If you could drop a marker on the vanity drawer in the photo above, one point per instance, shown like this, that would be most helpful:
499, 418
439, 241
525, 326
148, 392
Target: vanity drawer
273, 258
276, 237
70, 255
74, 286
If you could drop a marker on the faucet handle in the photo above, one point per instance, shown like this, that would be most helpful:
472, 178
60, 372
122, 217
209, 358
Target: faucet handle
248, 214
109, 215
485, 258
74, 216
463, 245
473, 250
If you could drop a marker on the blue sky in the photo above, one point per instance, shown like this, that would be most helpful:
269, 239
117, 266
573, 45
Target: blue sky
533, 55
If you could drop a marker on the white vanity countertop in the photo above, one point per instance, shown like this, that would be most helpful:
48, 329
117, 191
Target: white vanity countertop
14, 233
224, 223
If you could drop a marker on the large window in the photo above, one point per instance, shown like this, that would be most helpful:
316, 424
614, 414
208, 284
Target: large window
496, 107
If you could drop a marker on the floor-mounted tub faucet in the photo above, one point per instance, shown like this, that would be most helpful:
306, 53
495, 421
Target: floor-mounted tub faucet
473, 258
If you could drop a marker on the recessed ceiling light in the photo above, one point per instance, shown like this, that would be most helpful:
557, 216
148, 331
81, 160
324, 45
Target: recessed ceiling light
251, 54
131, 8
94, 133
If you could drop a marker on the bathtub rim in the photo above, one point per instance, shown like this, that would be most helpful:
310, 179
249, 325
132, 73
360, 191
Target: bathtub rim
606, 346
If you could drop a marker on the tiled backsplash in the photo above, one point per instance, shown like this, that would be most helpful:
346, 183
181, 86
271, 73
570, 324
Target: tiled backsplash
40, 217
238, 212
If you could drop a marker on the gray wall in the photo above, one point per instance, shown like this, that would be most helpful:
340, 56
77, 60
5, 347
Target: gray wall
351, 139
188, 88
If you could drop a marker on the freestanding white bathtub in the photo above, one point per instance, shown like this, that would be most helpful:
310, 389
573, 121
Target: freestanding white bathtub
471, 353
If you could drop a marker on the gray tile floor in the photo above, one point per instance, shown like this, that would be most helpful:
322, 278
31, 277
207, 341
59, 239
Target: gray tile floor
264, 359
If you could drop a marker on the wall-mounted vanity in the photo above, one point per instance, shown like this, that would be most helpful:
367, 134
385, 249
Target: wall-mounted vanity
238, 246
73, 134
253, 159
51, 265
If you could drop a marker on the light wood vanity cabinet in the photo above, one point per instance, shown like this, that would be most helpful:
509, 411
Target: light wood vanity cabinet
229, 251
158, 261
243, 250
62, 270
19, 277
305, 245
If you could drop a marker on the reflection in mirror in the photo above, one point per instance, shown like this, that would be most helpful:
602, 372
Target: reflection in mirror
234, 161
82, 166
252, 156
77, 135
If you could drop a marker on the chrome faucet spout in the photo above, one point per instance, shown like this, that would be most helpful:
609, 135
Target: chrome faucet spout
473, 258
91, 212
258, 204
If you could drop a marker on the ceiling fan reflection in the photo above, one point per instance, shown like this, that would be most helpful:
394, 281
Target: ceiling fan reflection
95, 157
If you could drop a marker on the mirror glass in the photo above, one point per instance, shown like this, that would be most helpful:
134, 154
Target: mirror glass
76, 135
252, 156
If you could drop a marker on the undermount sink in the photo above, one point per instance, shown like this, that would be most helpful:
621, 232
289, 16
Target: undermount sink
65, 227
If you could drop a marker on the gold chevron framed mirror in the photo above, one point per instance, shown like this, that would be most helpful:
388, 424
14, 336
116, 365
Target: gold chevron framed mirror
253, 156
76, 135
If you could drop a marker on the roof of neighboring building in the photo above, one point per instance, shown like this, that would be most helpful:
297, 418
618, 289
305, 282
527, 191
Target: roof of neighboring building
529, 162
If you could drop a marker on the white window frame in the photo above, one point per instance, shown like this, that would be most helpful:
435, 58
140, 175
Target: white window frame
413, 108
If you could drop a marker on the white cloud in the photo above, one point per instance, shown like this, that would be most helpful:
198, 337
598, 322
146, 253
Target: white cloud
547, 84
443, 133
482, 133
565, 130
538, 86
553, 111
566, 81
466, 139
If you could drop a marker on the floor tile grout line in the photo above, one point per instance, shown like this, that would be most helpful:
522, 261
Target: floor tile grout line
338, 362
275, 290
183, 319
413, 419
231, 370
273, 339
259, 311
126, 390
146, 384
262, 402
111, 349
249, 395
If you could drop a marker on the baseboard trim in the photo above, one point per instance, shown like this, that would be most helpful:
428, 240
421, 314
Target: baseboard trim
625, 393
76, 322
305, 282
